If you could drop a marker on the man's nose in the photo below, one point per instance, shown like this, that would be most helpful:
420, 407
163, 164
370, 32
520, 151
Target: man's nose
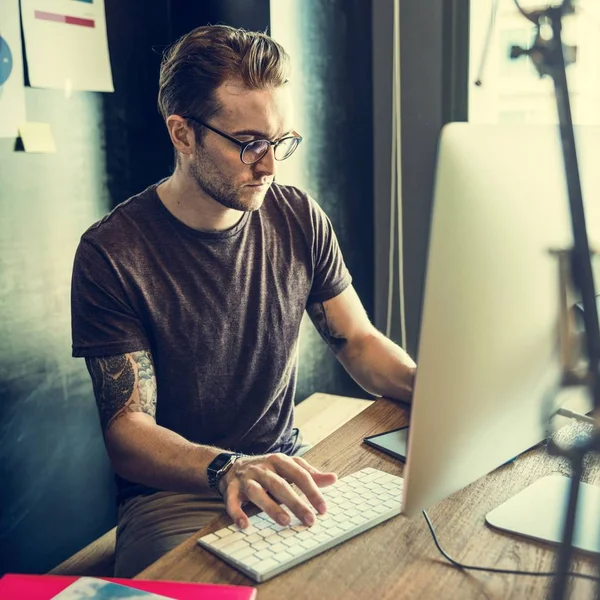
266, 165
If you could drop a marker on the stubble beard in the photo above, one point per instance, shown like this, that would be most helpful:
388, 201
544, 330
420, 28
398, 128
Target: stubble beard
209, 179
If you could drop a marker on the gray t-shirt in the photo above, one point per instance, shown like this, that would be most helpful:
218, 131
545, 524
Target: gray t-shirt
219, 311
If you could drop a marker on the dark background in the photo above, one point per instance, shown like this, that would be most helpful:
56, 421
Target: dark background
56, 486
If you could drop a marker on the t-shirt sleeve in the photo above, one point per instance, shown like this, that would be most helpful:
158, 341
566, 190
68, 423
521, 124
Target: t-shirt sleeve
103, 322
331, 276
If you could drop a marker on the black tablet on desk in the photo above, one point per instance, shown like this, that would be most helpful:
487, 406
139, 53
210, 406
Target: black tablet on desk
394, 442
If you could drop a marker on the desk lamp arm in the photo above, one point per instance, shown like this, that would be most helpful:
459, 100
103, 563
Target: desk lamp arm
551, 57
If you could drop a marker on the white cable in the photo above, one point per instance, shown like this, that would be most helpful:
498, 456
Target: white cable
486, 43
399, 184
396, 199
388, 326
393, 194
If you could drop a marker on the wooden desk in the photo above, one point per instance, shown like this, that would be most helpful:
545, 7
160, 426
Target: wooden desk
398, 558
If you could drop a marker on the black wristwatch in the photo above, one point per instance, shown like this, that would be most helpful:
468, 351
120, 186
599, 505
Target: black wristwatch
219, 466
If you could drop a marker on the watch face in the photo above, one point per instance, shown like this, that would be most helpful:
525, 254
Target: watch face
219, 466
220, 461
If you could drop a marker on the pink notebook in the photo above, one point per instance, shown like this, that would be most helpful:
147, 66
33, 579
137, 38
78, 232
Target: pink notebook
44, 587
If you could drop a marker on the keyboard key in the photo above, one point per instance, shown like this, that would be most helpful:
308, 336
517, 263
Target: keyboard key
223, 532
226, 541
309, 544
264, 565
270, 535
254, 519
289, 542
284, 557
297, 550
251, 560
391, 485
243, 553
380, 509
305, 535
329, 523
286, 533
249, 530
358, 519
264, 554
233, 548
316, 528
260, 545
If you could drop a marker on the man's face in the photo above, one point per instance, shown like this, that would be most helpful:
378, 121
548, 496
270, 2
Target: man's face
245, 115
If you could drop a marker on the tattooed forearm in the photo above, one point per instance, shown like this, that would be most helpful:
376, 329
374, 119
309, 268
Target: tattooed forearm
336, 341
114, 379
146, 382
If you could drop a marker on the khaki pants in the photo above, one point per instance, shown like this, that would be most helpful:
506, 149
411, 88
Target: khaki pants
149, 526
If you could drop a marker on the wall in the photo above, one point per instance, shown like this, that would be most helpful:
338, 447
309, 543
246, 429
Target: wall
329, 42
57, 486
48, 425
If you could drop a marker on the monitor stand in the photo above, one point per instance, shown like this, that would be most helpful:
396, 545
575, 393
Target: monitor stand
538, 512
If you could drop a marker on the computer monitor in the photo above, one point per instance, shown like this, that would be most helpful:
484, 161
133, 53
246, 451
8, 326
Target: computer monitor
488, 369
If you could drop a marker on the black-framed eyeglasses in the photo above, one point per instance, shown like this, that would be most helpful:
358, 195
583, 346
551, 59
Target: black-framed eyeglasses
254, 150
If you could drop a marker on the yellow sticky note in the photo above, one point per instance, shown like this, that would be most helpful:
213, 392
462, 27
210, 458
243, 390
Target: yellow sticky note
37, 137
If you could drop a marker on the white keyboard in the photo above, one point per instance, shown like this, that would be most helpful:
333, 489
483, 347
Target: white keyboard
355, 503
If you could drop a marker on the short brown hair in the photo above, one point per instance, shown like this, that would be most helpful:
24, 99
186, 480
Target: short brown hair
200, 61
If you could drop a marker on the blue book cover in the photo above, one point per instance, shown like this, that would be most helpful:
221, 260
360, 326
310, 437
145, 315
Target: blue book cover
90, 588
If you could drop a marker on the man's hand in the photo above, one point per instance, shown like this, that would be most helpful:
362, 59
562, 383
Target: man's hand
257, 478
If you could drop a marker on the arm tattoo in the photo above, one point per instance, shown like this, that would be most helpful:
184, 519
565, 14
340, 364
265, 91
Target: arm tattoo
336, 341
114, 379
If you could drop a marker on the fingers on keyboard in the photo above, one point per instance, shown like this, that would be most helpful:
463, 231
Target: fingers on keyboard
266, 548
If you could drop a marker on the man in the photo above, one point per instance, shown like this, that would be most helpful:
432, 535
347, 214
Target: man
187, 301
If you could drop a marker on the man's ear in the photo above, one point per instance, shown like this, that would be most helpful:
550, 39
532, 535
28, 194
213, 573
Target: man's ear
182, 135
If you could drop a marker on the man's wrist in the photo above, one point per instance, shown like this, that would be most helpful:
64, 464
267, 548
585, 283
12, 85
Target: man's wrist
219, 467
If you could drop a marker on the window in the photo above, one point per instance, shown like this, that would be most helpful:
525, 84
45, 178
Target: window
512, 91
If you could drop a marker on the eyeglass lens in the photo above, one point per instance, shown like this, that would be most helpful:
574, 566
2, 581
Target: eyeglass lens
254, 151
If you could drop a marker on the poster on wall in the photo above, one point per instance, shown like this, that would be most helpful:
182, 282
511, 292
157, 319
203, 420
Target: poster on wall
66, 45
12, 91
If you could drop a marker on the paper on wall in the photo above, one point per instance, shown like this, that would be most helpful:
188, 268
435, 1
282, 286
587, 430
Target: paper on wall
66, 44
12, 91
37, 137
